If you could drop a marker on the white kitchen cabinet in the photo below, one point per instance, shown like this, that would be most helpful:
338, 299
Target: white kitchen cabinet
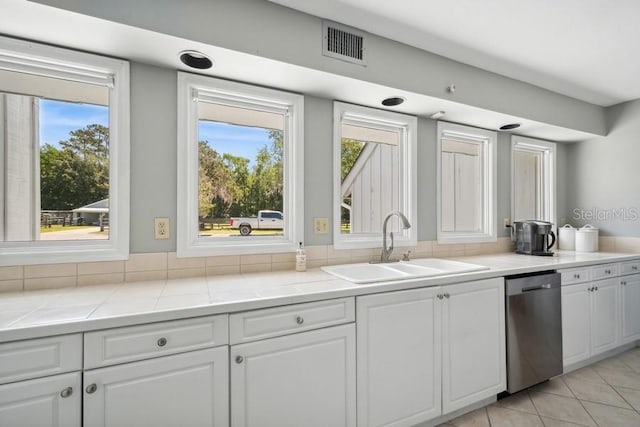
604, 315
188, 389
304, 379
576, 317
590, 319
630, 304
44, 402
430, 351
399, 357
473, 343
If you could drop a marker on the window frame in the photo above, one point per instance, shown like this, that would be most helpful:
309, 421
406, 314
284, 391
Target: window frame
190, 86
39, 59
408, 174
488, 139
549, 175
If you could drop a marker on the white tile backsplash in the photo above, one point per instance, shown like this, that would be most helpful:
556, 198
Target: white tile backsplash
163, 266
146, 262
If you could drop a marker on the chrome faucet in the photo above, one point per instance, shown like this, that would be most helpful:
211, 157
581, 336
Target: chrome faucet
386, 250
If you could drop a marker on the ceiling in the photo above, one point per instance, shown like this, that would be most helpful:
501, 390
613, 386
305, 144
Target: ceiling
586, 49
34, 21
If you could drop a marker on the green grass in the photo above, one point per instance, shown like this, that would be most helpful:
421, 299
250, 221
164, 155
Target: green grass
229, 231
58, 227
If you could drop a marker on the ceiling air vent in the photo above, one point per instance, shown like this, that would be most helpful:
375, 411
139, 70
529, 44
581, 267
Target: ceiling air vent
344, 43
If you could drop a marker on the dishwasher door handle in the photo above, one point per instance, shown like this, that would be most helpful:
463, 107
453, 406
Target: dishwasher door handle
536, 288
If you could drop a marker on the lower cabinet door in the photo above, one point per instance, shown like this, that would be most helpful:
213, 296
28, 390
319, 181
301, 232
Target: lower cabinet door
399, 356
305, 379
604, 315
630, 297
188, 389
44, 402
473, 343
576, 319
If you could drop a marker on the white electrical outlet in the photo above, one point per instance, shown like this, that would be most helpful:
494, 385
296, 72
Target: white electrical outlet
505, 223
162, 228
320, 225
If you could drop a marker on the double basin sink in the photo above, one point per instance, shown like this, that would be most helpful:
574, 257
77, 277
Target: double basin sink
402, 270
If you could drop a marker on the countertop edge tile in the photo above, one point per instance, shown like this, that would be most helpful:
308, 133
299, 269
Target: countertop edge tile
292, 293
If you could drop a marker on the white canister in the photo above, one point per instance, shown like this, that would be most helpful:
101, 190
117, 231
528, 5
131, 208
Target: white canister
587, 239
567, 238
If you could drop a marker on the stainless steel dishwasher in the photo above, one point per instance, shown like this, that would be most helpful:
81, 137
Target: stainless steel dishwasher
534, 329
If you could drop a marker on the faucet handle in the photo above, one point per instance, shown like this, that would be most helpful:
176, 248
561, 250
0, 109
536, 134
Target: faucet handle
406, 255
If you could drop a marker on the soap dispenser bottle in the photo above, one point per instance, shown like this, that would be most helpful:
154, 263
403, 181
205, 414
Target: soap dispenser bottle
301, 258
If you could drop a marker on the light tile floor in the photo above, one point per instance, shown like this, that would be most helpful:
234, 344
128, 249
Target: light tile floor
606, 394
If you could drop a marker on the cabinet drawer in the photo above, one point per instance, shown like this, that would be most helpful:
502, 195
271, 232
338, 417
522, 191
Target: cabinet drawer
571, 276
630, 267
272, 322
20, 360
604, 271
113, 346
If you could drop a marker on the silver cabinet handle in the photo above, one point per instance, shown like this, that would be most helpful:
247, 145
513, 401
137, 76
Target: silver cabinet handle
440, 296
162, 342
446, 295
66, 392
91, 388
607, 271
634, 267
239, 359
576, 276
595, 289
590, 289
623, 283
299, 320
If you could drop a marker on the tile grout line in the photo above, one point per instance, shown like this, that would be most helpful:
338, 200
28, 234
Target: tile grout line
614, 387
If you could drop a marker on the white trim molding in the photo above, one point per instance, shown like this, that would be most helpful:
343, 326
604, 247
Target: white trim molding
547, 179
193, 89
113, 74
380, 122
484, 143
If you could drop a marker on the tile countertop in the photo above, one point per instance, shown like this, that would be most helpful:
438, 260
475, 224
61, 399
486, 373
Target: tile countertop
68, 310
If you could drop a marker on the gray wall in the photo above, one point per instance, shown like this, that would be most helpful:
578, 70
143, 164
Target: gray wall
153, 156
604, 175
153, 163
294, 37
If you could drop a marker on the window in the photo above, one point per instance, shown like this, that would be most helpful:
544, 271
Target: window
533, 179
374, 175
466, 184
64, 151
240, 168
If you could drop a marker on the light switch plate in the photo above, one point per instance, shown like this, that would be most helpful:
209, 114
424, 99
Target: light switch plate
162, 228
320, 225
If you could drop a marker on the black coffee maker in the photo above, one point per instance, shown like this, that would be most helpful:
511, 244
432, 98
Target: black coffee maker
532, 237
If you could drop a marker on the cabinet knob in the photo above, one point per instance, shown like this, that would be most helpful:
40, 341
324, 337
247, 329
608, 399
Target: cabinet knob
440, 296
66, 392
634, 267
299, 320
590, 289
607, 271
239, 359
91, 388
623, 283
162, 342
595, 289
446, 295
576, 276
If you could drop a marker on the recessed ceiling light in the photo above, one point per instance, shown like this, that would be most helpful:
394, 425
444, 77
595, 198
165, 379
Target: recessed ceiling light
195, 59
393, 101
510, 126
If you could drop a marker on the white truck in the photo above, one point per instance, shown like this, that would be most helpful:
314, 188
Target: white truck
266, 220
